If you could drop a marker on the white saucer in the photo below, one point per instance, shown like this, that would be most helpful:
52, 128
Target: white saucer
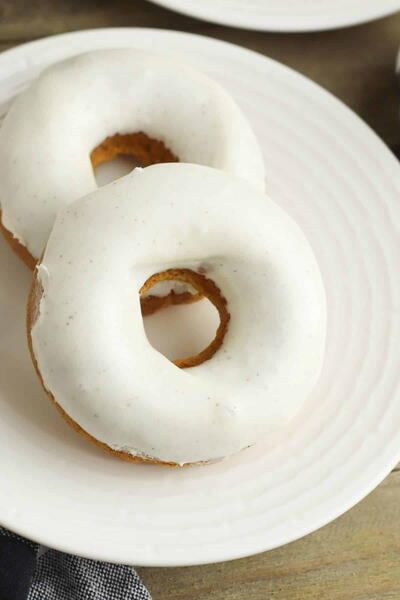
284, 15
342, 185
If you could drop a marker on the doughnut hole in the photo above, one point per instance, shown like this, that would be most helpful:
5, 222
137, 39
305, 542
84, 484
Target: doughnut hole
193, 328
118, 155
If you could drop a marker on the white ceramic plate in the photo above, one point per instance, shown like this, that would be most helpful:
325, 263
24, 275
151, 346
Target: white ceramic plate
284, 15
342, 185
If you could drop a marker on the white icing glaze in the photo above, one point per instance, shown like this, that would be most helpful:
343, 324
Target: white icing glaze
51, 129
89, 339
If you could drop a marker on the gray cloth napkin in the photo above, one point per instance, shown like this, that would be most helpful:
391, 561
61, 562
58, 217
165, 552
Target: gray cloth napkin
29, 571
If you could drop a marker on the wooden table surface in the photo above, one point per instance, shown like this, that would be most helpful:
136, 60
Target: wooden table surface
357, 557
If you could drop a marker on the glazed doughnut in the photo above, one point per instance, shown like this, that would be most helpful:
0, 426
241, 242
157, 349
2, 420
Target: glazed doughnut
86, 110
86, 330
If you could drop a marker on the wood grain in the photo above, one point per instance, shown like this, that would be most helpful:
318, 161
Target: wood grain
357, 556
